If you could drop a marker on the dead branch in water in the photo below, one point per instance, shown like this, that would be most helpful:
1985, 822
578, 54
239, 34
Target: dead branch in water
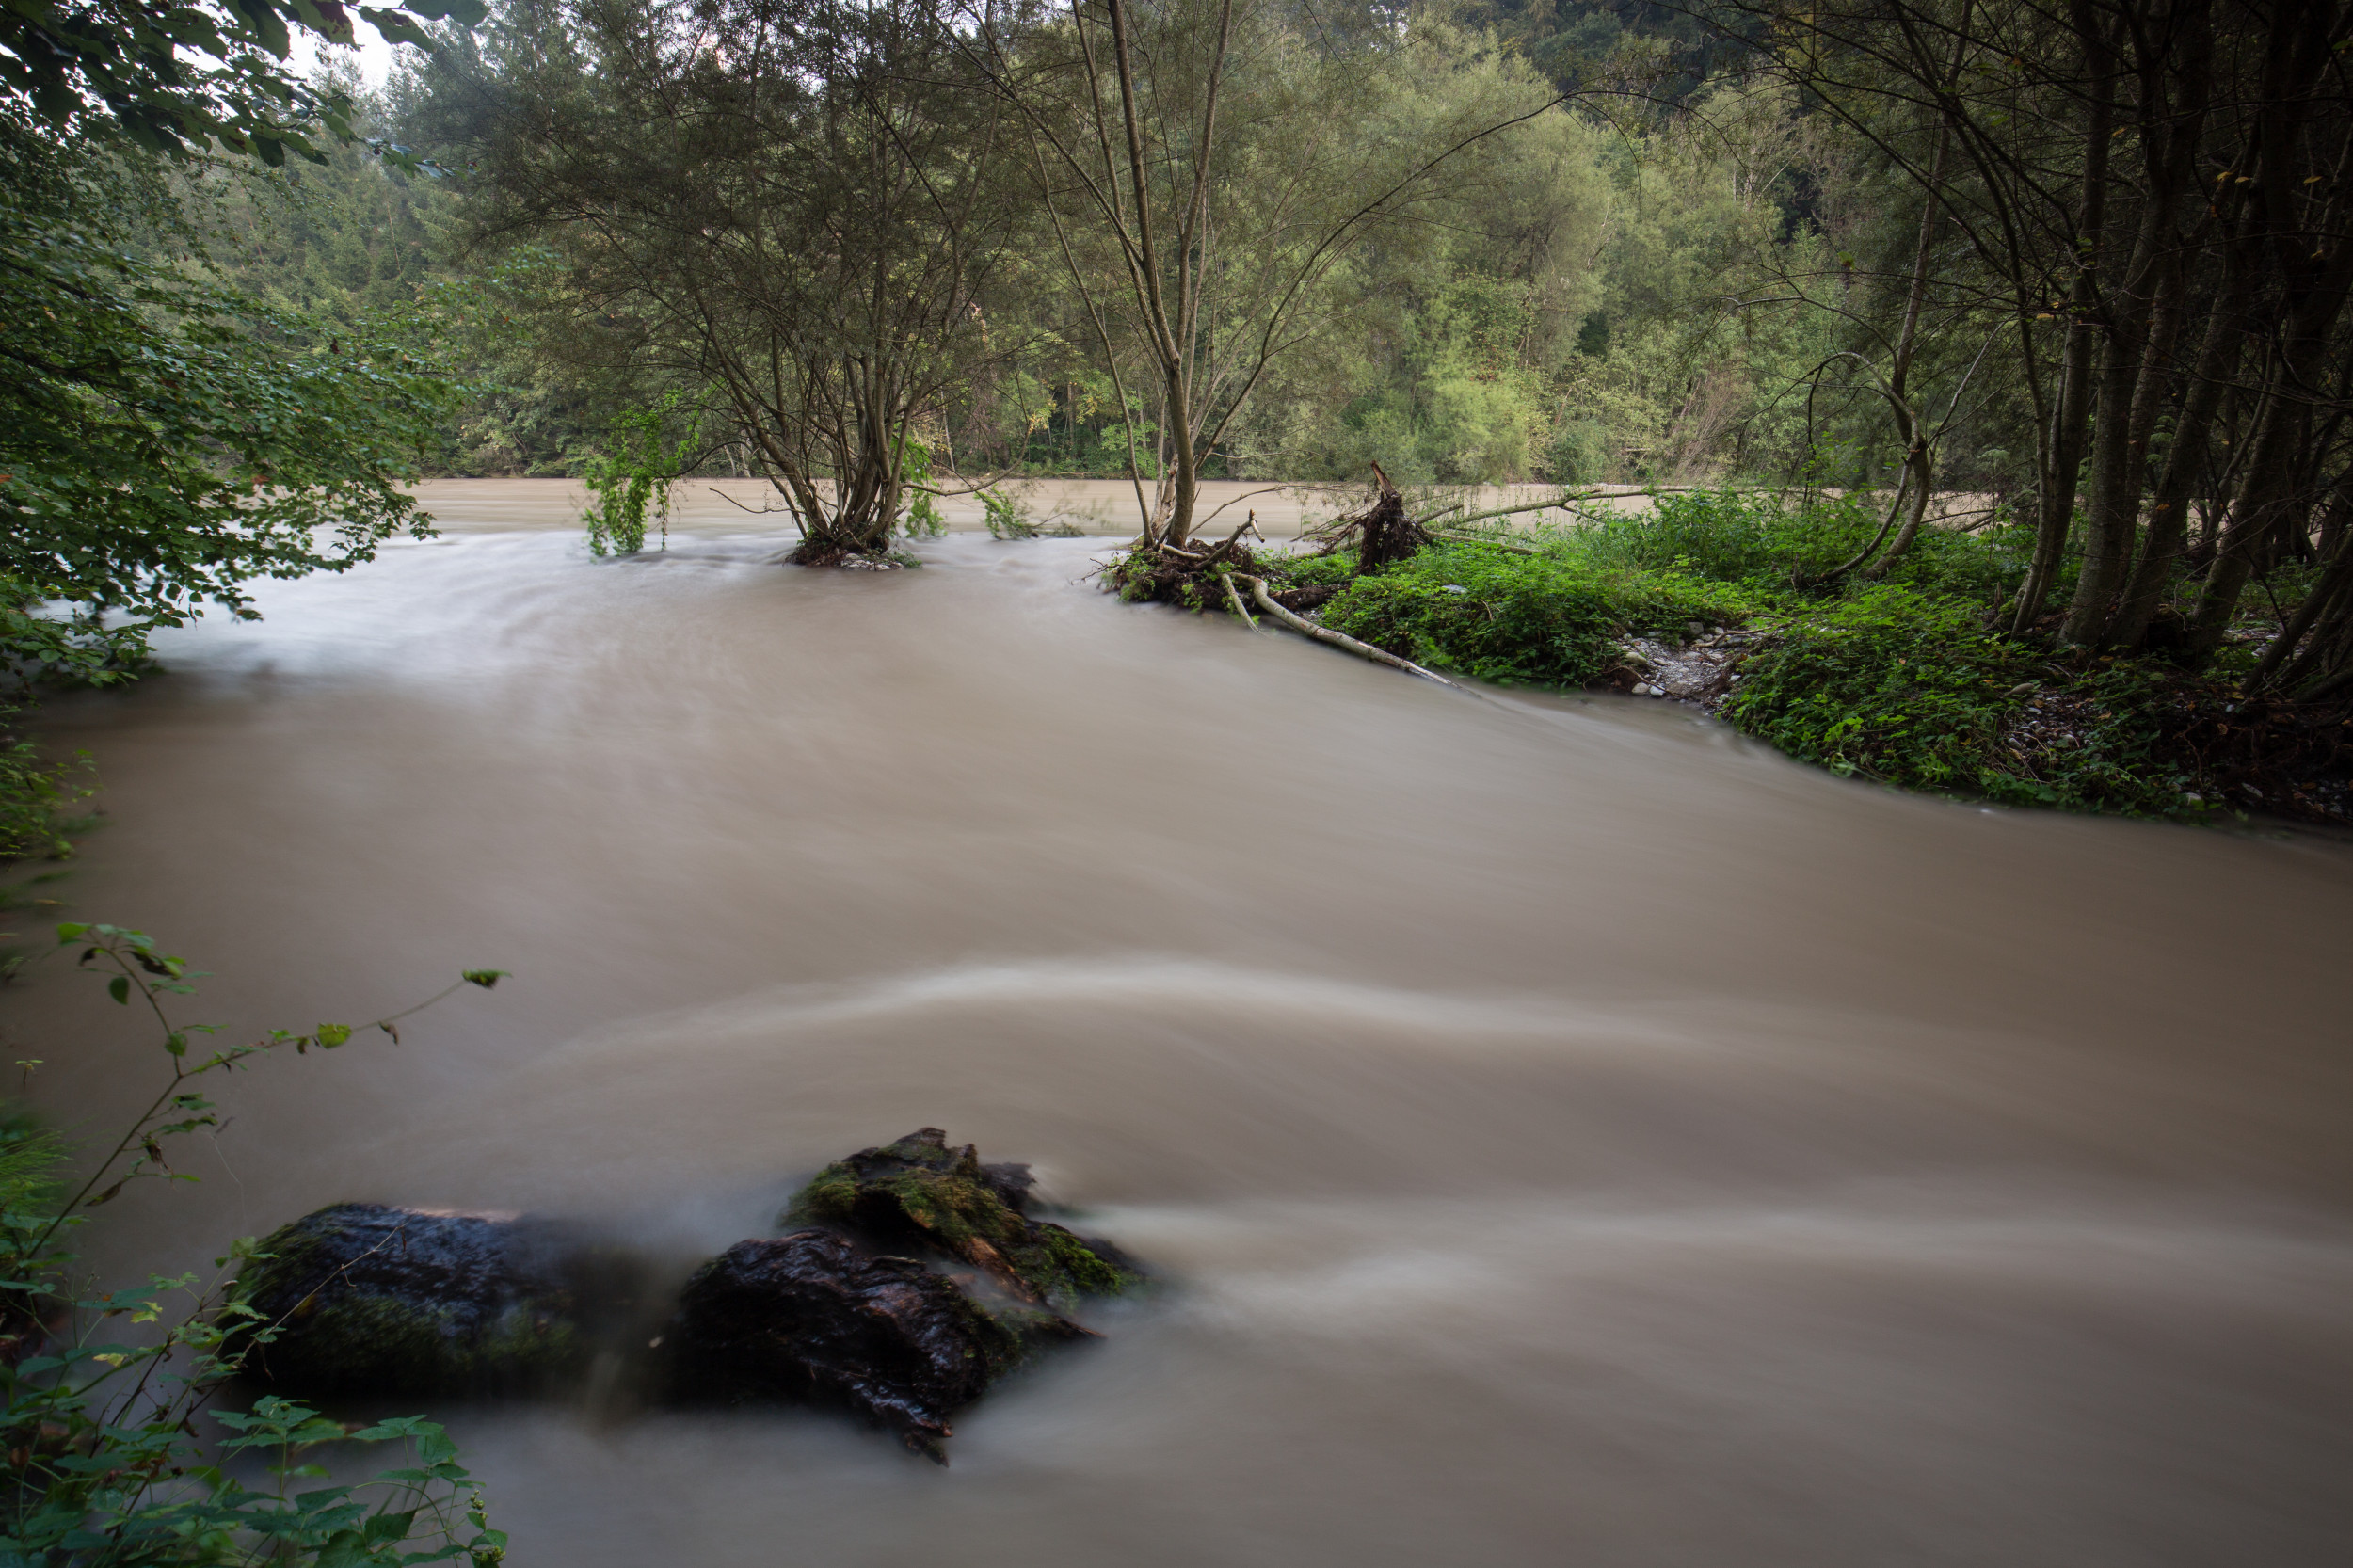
1235, 600
1338, 639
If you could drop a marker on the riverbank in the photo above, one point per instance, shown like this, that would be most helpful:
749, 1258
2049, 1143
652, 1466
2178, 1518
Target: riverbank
1895, 677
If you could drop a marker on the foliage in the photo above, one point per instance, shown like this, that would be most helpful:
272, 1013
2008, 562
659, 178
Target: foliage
638, 471
922, 519
1893, 684
36, 795
1912, 688
1004, 516
641, 144
174, 78
1776, 545
106, 1467
1902, 680
166, 440
1547, 618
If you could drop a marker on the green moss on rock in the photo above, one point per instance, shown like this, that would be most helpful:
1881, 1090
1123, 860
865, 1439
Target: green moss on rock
924, 1193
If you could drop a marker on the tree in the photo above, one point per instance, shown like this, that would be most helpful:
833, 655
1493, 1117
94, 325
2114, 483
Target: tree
2148, 196
164, 439
177, 77
1207, 166
800, 211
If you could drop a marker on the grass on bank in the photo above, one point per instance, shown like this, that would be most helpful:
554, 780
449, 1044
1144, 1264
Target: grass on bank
1897, 679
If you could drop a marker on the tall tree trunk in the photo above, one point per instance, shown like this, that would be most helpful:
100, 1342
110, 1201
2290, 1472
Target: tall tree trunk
2061, 447
2179, 42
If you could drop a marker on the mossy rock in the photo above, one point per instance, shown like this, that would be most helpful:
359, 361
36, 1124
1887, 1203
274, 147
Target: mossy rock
363, 1299
924, 1194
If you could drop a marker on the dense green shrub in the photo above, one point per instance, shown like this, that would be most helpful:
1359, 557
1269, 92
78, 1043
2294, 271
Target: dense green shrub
1728, 536
1909, 687
1552, 617
1773, 544
1315, 570
1891, 683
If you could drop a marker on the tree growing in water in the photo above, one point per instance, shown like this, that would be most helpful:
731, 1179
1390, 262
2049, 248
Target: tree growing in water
1207, 168
801, 207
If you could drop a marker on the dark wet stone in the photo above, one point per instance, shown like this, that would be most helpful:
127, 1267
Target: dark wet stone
916, 1280
369, 1299
813, 1318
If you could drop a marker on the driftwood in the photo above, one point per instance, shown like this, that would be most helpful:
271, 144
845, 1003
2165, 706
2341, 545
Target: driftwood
1338, 639
1235, 600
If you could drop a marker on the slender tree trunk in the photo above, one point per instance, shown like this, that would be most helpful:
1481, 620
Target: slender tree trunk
2062, 450
1919, 458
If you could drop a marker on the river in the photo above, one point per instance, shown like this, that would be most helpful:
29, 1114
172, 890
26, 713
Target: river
1573, 1134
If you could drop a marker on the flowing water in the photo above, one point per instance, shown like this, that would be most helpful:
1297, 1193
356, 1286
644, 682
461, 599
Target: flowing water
1573, 1134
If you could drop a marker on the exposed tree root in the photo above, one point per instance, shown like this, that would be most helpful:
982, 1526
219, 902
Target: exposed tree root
1185, 575
1382, 534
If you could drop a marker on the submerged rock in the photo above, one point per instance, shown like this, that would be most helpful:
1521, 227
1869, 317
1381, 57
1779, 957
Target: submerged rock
834, 1314
813, 1318
369, 1299
915, 1279
920, 1193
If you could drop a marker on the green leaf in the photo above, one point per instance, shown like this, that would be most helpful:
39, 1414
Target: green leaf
331, 1035
486, 978
119, 988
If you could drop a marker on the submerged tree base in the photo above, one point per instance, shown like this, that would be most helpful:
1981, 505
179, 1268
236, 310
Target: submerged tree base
825, 553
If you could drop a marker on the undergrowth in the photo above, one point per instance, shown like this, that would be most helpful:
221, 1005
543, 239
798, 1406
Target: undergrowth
1556, 617
1896, 678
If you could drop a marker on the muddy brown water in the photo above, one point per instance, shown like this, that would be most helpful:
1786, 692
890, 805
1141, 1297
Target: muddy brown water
1574, 1134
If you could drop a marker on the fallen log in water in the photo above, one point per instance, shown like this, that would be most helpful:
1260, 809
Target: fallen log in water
1338, 639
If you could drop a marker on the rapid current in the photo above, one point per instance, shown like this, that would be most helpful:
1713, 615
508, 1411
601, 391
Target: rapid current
1572, 1134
